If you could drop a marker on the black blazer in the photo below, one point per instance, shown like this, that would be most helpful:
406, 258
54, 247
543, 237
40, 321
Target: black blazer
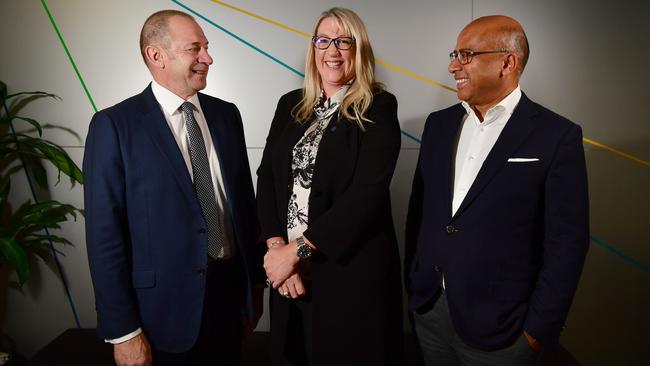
355, 283
145, 232
513, 252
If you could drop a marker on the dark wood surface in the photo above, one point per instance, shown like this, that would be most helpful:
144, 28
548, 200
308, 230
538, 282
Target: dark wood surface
82, 347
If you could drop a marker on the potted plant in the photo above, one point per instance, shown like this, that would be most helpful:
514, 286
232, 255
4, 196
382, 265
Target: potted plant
25, 229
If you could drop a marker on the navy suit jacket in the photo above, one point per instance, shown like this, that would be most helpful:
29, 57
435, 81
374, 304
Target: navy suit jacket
513, 252
145, 232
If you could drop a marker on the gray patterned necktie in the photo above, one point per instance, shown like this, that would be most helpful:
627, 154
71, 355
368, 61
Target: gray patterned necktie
203, 181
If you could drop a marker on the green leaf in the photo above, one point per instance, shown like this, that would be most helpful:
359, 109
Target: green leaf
30, 218
62, 161
37, 171
25, 98
39, 94
16, 256
37, 238
47, 150
32, 122
43, 251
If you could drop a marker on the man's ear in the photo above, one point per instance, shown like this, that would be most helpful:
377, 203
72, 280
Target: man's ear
510, 64
154, 56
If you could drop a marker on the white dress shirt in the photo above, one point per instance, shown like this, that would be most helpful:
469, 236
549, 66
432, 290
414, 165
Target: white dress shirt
170, 104
475, 142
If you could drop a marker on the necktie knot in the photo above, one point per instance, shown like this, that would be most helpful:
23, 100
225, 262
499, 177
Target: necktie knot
187, 107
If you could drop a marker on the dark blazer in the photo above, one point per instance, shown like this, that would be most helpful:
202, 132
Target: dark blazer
355, 287
513, 252
145, 232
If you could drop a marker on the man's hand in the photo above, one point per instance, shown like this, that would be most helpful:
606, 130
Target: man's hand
292, 287
532, 342
134, 352
280, 262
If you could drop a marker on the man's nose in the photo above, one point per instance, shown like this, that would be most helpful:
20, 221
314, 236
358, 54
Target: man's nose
454, 66
205, 57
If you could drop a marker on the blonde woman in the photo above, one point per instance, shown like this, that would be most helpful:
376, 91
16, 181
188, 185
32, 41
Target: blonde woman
324, 207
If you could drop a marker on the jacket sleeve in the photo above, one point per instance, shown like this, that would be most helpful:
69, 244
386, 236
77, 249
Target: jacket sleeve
107, 237
566, 240
360, 208
255, 249
267, 209
414, 215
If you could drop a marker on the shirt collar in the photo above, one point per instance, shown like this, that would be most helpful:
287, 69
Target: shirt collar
170, 102
507, 106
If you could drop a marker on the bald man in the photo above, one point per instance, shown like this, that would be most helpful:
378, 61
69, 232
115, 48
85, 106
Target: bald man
497, 229
171, 227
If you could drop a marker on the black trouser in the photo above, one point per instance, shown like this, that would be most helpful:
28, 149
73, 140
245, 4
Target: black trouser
219, 340
298, 347
441, 345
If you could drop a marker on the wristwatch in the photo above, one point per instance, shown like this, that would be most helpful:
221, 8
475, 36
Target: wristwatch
303, 251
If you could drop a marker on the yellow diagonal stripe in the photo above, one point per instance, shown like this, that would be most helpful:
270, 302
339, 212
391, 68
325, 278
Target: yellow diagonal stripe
262, 18
616, 152
414, 75
419, 77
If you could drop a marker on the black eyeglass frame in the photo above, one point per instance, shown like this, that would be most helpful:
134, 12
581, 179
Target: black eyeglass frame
337, 42
469, 55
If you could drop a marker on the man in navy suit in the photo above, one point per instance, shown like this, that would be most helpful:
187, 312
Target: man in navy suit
497, 229
170, 215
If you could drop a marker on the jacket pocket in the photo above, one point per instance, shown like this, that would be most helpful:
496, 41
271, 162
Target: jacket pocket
143, 279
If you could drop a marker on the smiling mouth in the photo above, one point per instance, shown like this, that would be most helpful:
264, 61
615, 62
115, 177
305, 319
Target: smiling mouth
462, 82
334, 64
201, 69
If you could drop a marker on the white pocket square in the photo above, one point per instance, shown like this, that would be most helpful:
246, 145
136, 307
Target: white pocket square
521, 160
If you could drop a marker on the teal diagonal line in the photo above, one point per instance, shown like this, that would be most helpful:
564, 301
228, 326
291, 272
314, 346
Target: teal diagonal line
67, 52
239, 38
411, 137
617, 252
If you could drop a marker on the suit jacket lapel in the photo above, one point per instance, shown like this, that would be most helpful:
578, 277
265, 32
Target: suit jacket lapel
221, 135
163, 138
513, 135
449, 138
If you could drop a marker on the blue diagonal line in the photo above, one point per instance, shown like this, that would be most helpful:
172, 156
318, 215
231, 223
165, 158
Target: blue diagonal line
239, 38
620, 254
411, 137
599, 242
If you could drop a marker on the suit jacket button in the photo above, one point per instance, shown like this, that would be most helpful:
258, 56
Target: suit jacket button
436, 268
201, 271
201, 231
450, 229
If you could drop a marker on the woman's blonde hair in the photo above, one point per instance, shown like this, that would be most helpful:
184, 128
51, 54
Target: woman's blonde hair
358, 98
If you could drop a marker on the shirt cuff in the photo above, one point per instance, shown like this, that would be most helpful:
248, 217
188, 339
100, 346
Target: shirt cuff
124, 338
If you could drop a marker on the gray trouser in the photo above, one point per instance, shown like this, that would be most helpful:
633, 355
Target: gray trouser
441, 345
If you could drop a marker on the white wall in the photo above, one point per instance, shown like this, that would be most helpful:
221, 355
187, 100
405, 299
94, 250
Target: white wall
587, 63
